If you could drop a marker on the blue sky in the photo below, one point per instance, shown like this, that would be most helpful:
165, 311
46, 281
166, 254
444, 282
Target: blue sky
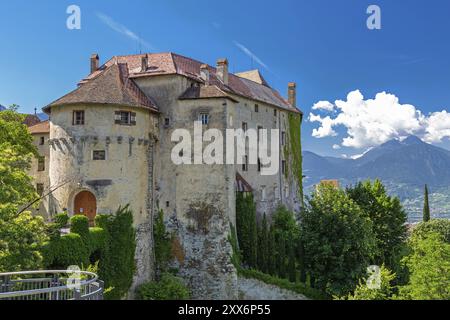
323, 45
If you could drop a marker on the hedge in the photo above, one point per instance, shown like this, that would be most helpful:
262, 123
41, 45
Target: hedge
299, 288
65, 251
169, 287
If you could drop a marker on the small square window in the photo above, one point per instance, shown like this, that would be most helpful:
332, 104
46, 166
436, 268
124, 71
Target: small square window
40, 189
275, 112
256, 108
166, 122
78, 118
42, 141
244, 126
167, 204
98, 155
204, 118
125, 118
41, 163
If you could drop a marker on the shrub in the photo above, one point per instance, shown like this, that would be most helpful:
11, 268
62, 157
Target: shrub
67, 250
61, 220
97, 239
80, 224
299, 288
441, 227
169, 287
163, 243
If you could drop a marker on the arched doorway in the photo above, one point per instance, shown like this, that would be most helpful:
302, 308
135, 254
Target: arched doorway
86, 204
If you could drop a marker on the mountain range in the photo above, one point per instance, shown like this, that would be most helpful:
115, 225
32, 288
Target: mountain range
403, 166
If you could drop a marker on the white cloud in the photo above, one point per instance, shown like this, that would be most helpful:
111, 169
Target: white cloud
123, 30
251, 54
372, 122
323, 105
336, 146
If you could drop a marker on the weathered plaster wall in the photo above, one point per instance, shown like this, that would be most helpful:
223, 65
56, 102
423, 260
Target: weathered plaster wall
123, 178
41, 176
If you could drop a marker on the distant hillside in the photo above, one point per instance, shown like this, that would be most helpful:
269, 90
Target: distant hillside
404, 167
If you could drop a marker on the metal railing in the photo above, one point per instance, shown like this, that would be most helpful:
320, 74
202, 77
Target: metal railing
50, 285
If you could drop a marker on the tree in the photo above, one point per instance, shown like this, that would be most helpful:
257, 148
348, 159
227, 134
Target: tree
440, 226
21, 235
247, 228
263, 245
338, 240
387, 216
426, 206
429, 268
271, 255
292, 272
384, 292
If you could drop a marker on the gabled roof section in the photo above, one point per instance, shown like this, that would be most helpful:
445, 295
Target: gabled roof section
31, 120
171, 63
110, 86
205, 92
253, 75
43, 127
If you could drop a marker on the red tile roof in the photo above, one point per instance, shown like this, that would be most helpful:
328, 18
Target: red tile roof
43, 127
170, 63
111, 86
31, 120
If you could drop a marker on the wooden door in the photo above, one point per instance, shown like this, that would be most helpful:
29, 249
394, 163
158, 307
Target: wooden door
86, 204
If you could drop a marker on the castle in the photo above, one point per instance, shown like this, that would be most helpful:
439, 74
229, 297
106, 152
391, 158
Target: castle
108, 143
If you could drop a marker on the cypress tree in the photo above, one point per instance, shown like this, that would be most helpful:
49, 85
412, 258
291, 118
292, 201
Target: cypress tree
426, 206
281, 257
247, 228
291, 262
271, 253
301, 262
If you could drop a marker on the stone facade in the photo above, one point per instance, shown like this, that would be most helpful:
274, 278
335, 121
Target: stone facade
198, 200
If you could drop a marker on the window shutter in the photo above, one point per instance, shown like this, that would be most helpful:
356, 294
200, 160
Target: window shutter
133, 118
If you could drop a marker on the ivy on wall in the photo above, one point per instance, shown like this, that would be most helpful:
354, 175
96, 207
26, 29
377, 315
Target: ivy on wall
295, 152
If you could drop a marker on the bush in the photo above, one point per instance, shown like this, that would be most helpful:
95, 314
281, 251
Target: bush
61, 220
80, 224
65, 251
441, 227
163, 243
168, 288
97, 239
117, 264
299, 288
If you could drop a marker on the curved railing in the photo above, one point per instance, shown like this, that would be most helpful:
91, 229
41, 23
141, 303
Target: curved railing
50, 285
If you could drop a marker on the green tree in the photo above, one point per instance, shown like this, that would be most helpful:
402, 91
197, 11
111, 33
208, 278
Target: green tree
21, 235
292, 272
271, 255
247, 228
384, 292
163, 243
429, 269
426, 206
263, 244
387, 216
338, 241
440, 226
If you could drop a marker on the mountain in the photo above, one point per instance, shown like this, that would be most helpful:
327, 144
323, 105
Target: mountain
2, 108
403, 166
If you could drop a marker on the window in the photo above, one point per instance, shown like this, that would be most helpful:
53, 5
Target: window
275, 112
125, 118
99, 155
41, 163
259, 165
283, 166
256, 108
40, 189
42, 141
245, 165
283, 138
166, 122
78, 118
204, 118
244, 126
167, 204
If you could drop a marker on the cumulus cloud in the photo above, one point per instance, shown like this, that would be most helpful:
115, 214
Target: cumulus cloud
372, 122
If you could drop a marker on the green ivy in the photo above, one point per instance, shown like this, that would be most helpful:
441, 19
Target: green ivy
163, 243
247, 228
295, 153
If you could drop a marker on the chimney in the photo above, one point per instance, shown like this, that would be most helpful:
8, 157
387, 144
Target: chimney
222, 70
204, 73
94, 62
144, 63
292, 94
